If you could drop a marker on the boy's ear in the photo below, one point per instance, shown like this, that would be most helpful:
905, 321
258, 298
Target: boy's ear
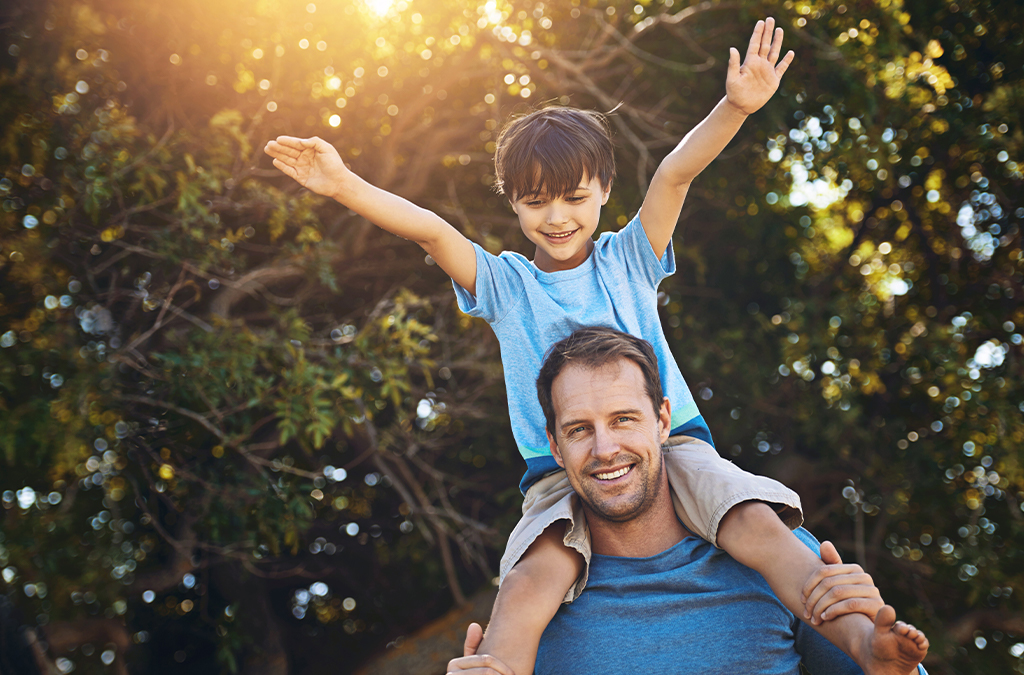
604, 195
554, 449
513, 205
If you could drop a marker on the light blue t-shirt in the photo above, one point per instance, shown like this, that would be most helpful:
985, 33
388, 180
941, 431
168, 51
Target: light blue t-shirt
530, 310
689, 609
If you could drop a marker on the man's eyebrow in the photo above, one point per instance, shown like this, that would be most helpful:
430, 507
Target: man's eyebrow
617, 413
571, 423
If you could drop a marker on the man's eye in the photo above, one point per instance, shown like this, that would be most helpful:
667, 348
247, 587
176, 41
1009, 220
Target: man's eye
575, 430
625, 418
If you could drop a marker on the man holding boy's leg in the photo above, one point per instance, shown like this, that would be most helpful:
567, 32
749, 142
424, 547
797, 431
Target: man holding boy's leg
660, 599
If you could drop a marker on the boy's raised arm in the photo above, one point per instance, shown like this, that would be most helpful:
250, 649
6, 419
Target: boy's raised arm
316, 165
748, 87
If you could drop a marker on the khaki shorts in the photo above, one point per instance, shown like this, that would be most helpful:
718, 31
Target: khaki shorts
704, 487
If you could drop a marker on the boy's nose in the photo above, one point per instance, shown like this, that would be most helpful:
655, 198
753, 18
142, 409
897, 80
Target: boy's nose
557, 216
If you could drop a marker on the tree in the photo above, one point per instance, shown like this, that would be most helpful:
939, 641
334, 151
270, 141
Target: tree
259, 422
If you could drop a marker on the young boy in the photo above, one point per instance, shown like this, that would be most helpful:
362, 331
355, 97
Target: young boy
556, 167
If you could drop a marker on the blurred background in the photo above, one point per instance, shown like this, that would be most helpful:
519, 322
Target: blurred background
244, 431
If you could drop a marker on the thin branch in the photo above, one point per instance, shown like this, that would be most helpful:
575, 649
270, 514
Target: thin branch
155, 149
191, 414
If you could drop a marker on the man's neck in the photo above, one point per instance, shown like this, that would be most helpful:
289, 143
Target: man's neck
649, 534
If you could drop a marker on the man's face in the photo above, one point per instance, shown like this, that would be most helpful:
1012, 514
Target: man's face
608, 438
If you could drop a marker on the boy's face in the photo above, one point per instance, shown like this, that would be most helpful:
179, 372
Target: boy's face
562, 227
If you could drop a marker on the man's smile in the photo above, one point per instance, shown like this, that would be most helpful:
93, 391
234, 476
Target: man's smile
612, 475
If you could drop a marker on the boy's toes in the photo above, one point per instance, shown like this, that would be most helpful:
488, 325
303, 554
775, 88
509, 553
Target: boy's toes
885, 619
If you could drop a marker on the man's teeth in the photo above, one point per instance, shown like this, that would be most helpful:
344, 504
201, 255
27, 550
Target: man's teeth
614, 474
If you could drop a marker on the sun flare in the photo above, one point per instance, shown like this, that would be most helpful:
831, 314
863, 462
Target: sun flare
379, 7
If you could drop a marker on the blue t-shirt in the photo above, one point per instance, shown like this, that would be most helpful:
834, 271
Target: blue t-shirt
530, 310
689, 609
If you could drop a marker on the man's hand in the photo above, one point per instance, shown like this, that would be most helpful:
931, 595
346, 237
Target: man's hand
313, 162
473, 663
748, 87
837, 589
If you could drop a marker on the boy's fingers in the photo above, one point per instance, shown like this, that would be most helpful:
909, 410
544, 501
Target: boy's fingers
278, 150
734, 62
287, 169
776, 49
290, 142
766, 37
784, 64
755, 39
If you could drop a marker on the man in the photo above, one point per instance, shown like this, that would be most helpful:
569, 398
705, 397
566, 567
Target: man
659, 599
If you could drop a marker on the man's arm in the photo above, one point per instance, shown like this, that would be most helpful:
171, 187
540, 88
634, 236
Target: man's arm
317, 166
748, 87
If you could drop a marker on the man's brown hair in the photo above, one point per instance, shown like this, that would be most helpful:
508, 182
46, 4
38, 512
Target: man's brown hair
551, 151
594, 347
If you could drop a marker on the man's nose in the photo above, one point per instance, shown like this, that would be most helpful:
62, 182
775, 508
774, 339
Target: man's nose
606, 445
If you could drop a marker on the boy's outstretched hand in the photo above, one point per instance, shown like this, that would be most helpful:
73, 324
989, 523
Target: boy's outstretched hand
749, 86
313, 162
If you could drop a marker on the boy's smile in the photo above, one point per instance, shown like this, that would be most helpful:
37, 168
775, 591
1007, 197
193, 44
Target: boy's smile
562, 227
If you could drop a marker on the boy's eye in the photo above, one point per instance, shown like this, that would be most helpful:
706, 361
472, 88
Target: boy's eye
574, 199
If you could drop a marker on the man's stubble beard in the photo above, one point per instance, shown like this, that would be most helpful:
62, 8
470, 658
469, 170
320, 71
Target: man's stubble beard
645, 496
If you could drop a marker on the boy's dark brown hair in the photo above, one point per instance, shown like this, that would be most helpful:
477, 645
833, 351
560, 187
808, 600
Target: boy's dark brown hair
594, 347
551, 151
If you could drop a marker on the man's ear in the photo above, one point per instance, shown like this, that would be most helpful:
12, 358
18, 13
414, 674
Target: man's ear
554, 449
665, 419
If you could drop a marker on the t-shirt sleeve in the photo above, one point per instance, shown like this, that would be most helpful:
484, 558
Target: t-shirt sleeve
632, 250
498, 288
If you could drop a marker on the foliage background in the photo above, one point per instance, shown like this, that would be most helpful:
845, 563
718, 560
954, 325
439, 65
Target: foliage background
244, 431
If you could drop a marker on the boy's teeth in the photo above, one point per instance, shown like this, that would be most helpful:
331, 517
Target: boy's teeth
614, 474
560, 235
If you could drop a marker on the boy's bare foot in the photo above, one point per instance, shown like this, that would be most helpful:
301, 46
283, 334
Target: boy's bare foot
893, 647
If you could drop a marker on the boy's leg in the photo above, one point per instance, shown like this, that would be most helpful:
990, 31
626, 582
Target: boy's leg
752, 533
705, 487
714, 499
528, 598
544, 565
